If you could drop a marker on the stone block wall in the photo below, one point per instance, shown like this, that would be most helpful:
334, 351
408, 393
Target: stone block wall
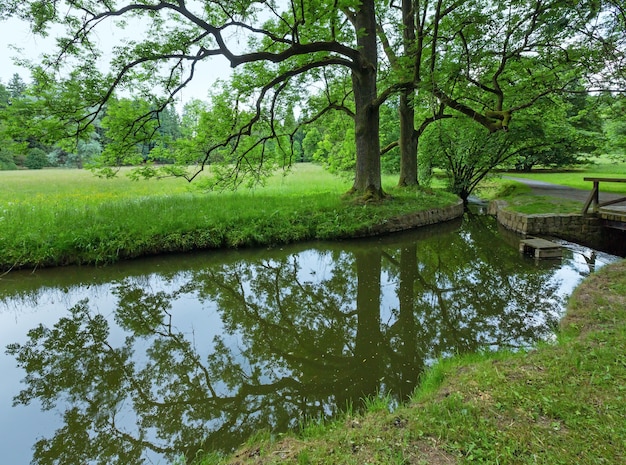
573, 227
415, 220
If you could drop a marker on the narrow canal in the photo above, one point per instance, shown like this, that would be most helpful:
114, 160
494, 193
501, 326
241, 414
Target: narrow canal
148, 360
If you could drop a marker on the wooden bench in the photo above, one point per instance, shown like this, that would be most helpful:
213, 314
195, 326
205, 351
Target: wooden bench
594, 197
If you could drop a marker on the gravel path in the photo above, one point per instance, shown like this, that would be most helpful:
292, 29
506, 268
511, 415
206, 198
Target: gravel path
564, 192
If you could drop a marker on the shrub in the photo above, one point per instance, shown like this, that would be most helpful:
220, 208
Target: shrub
6, 160
36, 159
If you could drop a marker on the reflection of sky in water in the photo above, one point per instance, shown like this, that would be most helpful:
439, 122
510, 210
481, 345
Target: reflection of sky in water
576, 264
199, 320
22, 425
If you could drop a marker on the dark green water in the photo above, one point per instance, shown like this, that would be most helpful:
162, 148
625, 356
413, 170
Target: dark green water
148, 360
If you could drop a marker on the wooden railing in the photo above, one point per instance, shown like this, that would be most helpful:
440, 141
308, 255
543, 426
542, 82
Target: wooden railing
594, 196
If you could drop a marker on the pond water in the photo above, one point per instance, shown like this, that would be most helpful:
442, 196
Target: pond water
148, 360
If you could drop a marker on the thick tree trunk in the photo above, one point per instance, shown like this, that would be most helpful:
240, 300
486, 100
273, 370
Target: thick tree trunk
367, 180
408, 141
408, 135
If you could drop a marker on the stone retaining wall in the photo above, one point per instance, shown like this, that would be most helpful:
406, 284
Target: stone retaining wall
415, 220
573, 227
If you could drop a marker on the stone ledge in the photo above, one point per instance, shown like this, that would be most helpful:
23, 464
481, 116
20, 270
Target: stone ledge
414, 220
570, 226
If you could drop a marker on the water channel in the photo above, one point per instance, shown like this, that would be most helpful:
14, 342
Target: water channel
147, 360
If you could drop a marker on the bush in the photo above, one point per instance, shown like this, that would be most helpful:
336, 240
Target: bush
6, 160
36, 159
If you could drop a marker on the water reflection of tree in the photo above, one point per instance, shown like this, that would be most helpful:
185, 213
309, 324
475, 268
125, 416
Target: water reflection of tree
308, 345
471, 291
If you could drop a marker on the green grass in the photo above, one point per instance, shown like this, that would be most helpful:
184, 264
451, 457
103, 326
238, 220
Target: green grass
519, 198
58, 217
561, 403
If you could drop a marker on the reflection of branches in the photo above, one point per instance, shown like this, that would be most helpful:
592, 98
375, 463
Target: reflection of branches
74, 361
472, 291
308, 343
274, 310
148, 321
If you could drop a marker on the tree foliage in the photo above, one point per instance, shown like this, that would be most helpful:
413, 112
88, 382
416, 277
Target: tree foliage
492, 60
488, 61
466, 152
614, 126
36, 159
558, 132
285, 46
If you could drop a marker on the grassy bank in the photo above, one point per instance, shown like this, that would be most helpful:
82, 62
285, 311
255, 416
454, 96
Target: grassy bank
58, 217
563, 403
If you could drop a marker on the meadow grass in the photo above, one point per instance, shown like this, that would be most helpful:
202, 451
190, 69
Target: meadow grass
560, 403
58, 217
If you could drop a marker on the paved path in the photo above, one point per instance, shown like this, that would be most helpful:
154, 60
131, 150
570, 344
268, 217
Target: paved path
564, 192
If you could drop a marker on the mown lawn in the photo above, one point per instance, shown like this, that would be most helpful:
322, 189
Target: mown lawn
520, 198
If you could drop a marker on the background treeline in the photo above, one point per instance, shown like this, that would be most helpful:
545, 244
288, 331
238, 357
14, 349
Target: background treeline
362, 87
565, 131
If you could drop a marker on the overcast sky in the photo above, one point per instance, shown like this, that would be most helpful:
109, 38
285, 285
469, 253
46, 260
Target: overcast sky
16, 33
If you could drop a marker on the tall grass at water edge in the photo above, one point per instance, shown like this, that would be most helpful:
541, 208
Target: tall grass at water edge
56, 217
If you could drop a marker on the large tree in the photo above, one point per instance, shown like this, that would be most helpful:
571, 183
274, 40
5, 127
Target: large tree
285, 42
488, 60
